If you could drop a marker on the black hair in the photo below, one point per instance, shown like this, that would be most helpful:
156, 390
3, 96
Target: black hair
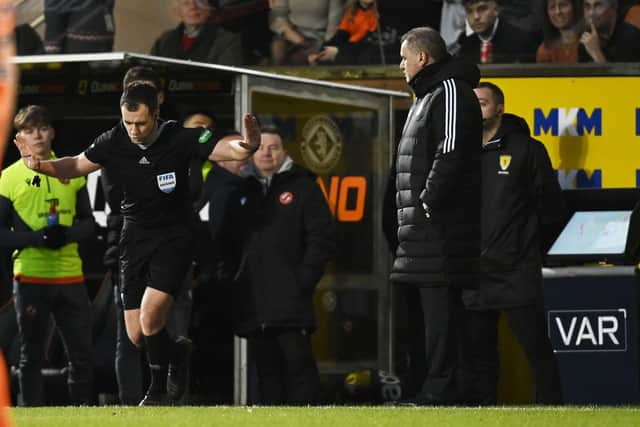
272, 129
139, 93
498, 95
140, 73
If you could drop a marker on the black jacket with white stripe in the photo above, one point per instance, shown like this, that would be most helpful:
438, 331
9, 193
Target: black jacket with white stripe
438, 179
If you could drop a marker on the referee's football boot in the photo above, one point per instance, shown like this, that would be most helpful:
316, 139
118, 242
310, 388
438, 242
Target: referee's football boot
179, 369
155, 398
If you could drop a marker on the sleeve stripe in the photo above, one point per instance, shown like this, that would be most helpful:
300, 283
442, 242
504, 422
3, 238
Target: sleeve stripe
450, 116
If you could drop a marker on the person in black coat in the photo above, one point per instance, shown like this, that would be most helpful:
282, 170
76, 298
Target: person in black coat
196, 38
522, 207
78, 26
503, 42
438, 201
287, 237
28, 42
607, 38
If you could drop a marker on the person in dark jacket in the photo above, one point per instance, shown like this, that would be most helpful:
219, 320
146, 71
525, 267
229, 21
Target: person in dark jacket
289, 240
196, 38
217, 256
494, 40
438, 200
78, 26
607, 38
522, 206
28, 42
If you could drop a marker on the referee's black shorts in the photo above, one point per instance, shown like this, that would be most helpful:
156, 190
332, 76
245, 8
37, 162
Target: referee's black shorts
158, 258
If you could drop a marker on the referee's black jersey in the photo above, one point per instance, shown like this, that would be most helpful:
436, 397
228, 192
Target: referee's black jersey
155, 180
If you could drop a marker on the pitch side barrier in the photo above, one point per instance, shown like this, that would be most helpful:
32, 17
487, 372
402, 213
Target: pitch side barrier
343, 133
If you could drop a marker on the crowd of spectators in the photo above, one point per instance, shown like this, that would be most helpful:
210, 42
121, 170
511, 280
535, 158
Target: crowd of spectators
357, 32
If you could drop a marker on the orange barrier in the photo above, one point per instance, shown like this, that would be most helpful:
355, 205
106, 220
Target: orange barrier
8, 72
5, 398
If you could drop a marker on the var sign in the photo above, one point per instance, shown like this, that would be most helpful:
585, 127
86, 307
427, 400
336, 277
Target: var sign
588, 330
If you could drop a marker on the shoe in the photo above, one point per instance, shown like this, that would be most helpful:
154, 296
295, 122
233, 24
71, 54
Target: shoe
179, 369
420, 400
154, 399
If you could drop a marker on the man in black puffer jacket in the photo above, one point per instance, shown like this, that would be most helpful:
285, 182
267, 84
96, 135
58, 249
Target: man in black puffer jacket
287, 235
522, 210
438, 200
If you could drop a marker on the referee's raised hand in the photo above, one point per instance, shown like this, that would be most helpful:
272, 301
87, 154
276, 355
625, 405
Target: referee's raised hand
239, 149
251, 132
30, 160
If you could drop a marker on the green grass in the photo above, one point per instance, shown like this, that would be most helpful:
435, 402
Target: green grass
325, 416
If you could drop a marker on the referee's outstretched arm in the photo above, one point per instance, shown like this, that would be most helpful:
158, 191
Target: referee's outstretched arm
239, 149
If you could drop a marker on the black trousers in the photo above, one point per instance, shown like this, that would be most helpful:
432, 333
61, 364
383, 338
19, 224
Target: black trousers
286, 370
70, 307
128, 360
481, 358
435, 318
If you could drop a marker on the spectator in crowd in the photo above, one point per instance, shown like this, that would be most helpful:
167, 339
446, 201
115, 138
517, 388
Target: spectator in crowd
300, 28
250, 18
150, 160
606, 38
196, 38
452, 23
78, 26
28, 42
494, 40
438, 201
526, 15
629, 11
283, 254
352, 43
522, 206
562, 27
43, 219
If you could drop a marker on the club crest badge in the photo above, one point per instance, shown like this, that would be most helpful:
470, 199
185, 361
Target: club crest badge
321, 146
167, 182
505, 161
286, 198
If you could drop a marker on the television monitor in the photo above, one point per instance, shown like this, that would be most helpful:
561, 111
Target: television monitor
592, 236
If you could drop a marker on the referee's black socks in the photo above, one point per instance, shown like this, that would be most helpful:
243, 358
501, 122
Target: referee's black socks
160, 350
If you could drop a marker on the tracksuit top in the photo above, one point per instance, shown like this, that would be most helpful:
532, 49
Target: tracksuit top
32, 195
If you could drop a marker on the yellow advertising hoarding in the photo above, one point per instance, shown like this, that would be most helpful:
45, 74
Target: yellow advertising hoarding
590, 125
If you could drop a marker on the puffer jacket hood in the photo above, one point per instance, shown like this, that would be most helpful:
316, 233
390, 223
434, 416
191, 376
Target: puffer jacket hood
450, 68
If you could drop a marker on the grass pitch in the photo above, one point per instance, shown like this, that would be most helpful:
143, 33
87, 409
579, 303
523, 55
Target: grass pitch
325, 416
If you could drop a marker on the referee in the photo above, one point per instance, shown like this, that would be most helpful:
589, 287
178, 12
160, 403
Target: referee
149, 159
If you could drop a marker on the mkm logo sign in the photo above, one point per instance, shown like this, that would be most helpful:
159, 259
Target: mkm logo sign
567, 121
